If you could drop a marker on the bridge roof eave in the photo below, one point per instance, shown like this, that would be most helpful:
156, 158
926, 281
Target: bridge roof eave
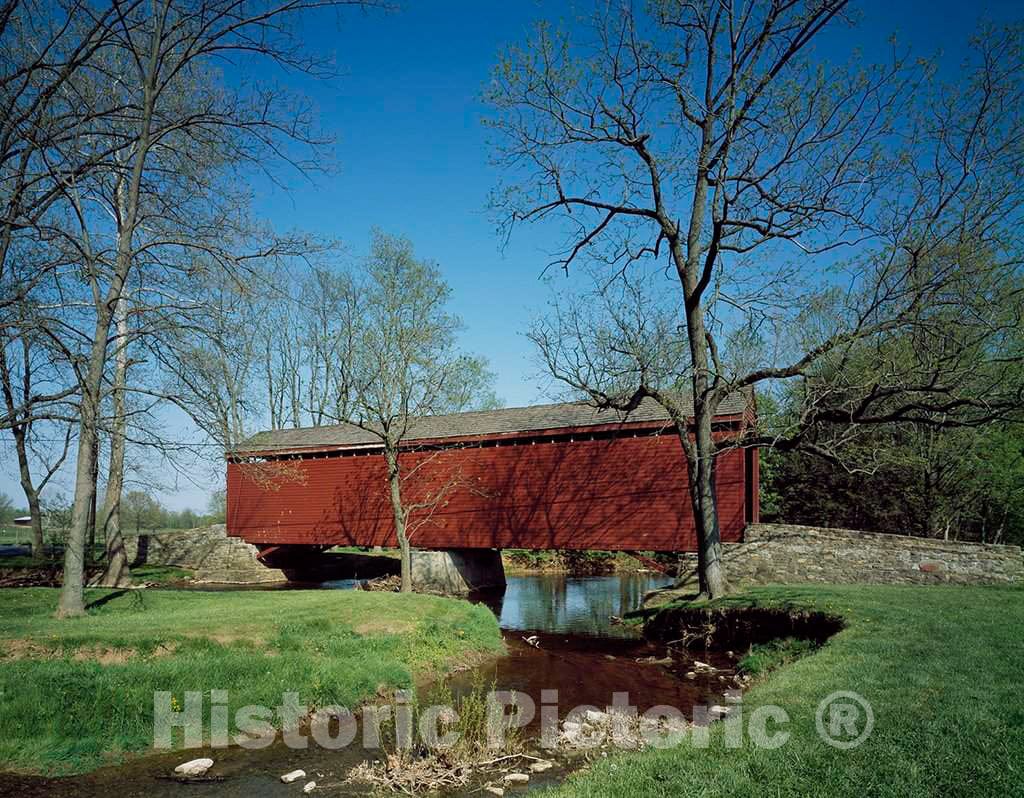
457, 441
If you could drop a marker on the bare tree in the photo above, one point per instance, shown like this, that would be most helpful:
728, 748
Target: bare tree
405, 364
43, 47
329, 304
211, 365
169, 104
34, 399
705, 137
304, 342
281, 356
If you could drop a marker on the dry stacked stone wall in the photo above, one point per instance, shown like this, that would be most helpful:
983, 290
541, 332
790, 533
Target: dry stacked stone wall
785, 553
208, 551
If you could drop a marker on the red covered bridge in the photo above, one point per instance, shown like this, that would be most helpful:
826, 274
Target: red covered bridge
559, 476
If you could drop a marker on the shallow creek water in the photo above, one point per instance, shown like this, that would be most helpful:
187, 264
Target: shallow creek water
575, 646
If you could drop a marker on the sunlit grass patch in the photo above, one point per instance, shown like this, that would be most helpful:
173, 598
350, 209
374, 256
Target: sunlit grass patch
940, 666
61, 711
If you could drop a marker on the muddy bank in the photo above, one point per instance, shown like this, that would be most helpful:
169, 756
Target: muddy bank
42, 575
738, 627
237, 773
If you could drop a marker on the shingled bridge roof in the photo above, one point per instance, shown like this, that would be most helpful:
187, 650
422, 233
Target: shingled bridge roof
504, 421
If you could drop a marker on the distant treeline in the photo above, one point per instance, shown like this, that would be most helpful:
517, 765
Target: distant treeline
955, 484
140, 512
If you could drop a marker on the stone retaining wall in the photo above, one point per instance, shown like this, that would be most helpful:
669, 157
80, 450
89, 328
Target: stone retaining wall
770, 554
785, 553
207, 550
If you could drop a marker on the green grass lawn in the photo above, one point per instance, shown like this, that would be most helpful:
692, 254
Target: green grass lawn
943, 669
75, 694
159, 574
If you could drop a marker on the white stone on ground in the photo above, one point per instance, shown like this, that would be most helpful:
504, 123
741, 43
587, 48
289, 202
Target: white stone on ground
295, 775
310, 786
541, 765
194, 767
516, 778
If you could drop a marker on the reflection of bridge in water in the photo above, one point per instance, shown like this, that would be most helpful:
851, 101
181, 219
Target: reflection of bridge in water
578, 605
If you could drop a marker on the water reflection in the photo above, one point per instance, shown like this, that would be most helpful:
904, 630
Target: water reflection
579, 651
580, 605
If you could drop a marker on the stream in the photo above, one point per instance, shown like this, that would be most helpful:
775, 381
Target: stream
561, 632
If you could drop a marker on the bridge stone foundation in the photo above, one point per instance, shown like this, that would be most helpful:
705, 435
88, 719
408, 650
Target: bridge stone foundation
457, 572
208, 551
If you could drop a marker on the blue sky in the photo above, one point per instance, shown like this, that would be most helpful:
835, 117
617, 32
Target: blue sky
412, 156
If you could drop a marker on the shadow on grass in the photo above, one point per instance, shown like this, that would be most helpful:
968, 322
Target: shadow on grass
106, 599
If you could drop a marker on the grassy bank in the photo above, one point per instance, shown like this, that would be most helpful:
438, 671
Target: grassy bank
76, 694
943, 670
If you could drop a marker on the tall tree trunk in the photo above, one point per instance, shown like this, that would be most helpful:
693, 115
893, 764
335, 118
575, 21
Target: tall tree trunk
705, 510
397, 508
703, 499
31, 494
691, 262
117, 572
36, 512
72, 595
90, 543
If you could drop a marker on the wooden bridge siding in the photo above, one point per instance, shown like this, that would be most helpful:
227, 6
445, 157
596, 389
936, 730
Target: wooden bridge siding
617, 493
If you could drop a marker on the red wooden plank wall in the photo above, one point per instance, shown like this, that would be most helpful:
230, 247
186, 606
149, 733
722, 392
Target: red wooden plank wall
626, 493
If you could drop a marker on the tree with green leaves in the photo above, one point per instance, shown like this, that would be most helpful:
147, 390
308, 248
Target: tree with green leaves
140, 511
404, 363
937, 475
217, 507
